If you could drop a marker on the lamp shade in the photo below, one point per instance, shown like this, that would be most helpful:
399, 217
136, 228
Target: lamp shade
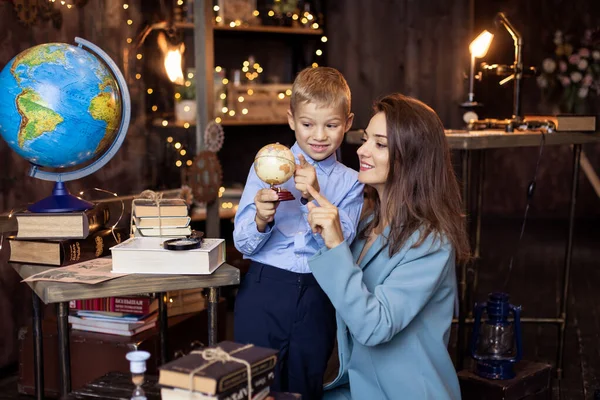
479, 47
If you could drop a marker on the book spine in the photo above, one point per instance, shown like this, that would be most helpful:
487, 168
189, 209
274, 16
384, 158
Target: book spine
98, 217
115, 304
230, 381
259, 383
94, 246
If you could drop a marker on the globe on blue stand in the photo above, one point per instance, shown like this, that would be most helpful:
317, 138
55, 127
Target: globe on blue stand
65, 108
497, 346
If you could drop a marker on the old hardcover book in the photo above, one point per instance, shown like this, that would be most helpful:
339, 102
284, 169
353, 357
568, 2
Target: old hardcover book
146, 255
568, 122
260, 389
165, 232
165, 222
217, 377
61, 253
72, 225
168, 208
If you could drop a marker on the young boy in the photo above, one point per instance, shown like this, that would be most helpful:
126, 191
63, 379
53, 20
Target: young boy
279, 303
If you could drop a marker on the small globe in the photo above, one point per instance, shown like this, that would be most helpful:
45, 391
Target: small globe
60, 105
274, 164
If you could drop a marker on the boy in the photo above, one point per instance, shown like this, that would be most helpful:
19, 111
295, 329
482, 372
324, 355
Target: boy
279, 303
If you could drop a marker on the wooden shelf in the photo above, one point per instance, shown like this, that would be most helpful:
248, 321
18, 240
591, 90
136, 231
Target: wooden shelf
225, 122
257, 28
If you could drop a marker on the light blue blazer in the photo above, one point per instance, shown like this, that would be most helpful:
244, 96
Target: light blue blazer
393, 319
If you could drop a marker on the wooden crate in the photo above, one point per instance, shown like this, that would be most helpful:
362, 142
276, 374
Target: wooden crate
267, 103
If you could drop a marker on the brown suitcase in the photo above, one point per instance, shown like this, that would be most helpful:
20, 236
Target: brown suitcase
95, 354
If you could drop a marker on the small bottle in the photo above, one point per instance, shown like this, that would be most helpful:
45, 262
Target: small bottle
137, 366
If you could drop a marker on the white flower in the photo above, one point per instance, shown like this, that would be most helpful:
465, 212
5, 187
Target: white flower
549, 65
576, 76
542, 81
582, 64
596, 54
558, 40
583, 92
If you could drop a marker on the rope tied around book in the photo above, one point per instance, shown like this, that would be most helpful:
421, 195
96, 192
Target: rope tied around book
217, 354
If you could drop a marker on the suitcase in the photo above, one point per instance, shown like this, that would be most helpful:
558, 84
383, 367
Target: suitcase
95, 354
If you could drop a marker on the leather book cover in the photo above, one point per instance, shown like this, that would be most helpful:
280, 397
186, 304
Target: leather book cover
217, 377
61, 253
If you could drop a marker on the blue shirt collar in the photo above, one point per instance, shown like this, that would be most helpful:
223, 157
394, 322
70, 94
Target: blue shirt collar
325, 165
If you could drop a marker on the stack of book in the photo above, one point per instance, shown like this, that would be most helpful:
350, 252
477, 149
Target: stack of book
167, 219
61, 239
129, 315
219, 380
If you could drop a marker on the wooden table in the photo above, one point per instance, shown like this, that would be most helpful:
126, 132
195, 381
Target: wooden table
479, 141
62, 293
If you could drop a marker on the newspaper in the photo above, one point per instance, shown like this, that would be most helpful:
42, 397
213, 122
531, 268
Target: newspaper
89, 272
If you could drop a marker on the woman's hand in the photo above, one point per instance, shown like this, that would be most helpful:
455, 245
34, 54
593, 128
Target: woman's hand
324, 219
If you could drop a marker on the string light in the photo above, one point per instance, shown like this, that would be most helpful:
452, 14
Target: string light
186, 125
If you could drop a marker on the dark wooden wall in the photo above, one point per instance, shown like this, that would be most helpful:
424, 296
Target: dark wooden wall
421, 49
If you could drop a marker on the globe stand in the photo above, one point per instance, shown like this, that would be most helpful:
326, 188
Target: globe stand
283, 194
60, 201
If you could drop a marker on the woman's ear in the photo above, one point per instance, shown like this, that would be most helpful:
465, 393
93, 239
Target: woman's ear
349, 122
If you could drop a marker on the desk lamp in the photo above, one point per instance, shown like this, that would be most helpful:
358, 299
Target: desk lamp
478, 49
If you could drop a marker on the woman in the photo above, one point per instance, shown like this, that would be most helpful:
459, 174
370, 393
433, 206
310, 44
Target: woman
394, 288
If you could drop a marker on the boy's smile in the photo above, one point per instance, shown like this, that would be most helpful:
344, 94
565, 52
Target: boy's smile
319, 129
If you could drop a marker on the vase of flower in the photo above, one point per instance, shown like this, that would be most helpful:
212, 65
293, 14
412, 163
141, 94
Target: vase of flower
571, 77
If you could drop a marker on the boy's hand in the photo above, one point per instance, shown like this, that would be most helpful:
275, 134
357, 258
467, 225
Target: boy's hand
305, 175
266, 202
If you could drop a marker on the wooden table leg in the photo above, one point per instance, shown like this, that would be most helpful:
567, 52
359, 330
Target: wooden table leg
213, 301
38, 347
64, 352
568, 253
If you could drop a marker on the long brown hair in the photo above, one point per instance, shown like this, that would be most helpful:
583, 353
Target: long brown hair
421, 192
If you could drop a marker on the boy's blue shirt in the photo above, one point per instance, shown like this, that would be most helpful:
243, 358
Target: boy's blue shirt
288, 243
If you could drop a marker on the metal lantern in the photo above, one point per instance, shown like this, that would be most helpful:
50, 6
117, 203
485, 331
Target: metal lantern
496, 344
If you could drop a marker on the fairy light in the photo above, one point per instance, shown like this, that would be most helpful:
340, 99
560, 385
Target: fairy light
218, 69
154, 108
232, 24
129, 22
288, 92
255, 13
315, 26
129, 40
177, 95
271, 13
177, 145
224, 110
190, 75
250, 92
241, 99
150, 91
216, 8
218, 19
244, 111
281, 96
314, 65
139, 56
125, 6
231, 113
182, 152
170, 139
138, 76
223, 96
178, 163
188, 163
319, 52
218, 120
165, 122
323, 39
186, 125
225, 81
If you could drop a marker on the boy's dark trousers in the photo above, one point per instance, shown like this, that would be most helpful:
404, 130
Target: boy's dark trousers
287, 311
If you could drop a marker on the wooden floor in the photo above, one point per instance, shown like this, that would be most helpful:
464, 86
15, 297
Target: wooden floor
535, 283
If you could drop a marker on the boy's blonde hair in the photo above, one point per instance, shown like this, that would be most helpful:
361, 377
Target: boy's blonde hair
322, 85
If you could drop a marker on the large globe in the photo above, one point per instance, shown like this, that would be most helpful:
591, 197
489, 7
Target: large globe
60, 105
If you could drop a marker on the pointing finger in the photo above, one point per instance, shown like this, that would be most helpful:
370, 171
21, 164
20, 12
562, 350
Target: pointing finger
323, 202
302, 160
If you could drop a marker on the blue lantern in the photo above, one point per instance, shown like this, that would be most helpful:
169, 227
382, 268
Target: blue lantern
499, 344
